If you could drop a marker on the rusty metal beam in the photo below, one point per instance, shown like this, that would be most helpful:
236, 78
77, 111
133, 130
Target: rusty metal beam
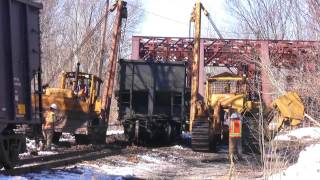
266, 84
220, 51
231, 52
135, 51
215, 49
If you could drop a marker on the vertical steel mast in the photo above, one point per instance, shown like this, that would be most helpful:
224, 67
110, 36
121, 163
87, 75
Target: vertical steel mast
121, 12
196, 18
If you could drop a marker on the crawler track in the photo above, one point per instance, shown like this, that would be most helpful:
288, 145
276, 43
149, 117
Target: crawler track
200, 135
56, 160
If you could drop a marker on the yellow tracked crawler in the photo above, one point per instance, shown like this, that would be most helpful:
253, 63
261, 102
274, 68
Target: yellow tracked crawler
79, 106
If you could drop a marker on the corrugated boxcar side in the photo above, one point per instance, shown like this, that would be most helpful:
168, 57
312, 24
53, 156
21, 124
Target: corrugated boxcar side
142, 82
19, 58
170, 77
160, 76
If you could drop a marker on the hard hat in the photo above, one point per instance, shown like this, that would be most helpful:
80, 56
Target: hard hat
54, 106
234, 116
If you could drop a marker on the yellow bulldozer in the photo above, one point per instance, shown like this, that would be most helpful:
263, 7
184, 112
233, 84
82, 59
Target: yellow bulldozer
79, 106
225, 92
228, 91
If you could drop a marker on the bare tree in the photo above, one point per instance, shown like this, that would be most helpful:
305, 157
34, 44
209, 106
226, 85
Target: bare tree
270, 19
283, 19
71, 33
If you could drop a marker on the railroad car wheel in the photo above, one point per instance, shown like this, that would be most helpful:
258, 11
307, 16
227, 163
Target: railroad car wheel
9, 158
9, 149
129, 131
56, 137
168, 133
99, 138
23, 146
137, 133
102, 139
82, 139
141, 136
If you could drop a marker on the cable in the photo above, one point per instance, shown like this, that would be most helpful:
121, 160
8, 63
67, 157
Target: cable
214, 25
123, 34
84, 41
158, 15
90, 34
183, 23
190, 26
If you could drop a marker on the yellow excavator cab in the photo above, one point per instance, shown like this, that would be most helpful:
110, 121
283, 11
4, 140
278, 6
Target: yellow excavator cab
70, 82
228, 90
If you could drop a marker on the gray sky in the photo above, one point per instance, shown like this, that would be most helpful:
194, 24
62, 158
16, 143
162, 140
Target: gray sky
171, 17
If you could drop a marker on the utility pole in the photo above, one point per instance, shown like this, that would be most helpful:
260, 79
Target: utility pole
196, 18
120, 7
103, 42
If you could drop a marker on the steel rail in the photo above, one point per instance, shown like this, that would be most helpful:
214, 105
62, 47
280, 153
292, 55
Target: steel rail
57, 160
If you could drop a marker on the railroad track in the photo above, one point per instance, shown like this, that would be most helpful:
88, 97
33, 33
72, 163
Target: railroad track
58, 160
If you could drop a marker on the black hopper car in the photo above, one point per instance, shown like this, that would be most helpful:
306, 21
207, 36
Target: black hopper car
19, 75
152, 100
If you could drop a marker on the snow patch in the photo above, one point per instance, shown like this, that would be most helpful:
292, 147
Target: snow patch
67, 137
178, 147
46, 153
24, 154
115, 170
309, 133
125, 169
40, 153
150, 159
67, 174
31, 144
307, 167
114, 132
144, 164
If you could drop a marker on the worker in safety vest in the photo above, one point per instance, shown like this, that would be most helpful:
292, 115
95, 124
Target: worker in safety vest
48, 127
235, 140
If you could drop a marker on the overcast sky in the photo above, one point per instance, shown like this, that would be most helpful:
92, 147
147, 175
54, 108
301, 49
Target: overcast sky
171, 17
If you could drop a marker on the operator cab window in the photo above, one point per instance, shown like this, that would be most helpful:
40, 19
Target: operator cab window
224, 87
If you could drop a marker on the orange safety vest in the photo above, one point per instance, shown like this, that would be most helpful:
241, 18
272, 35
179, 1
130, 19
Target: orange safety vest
235, 128
49, 120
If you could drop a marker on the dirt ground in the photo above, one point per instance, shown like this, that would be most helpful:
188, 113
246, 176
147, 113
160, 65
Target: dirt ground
174, 162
